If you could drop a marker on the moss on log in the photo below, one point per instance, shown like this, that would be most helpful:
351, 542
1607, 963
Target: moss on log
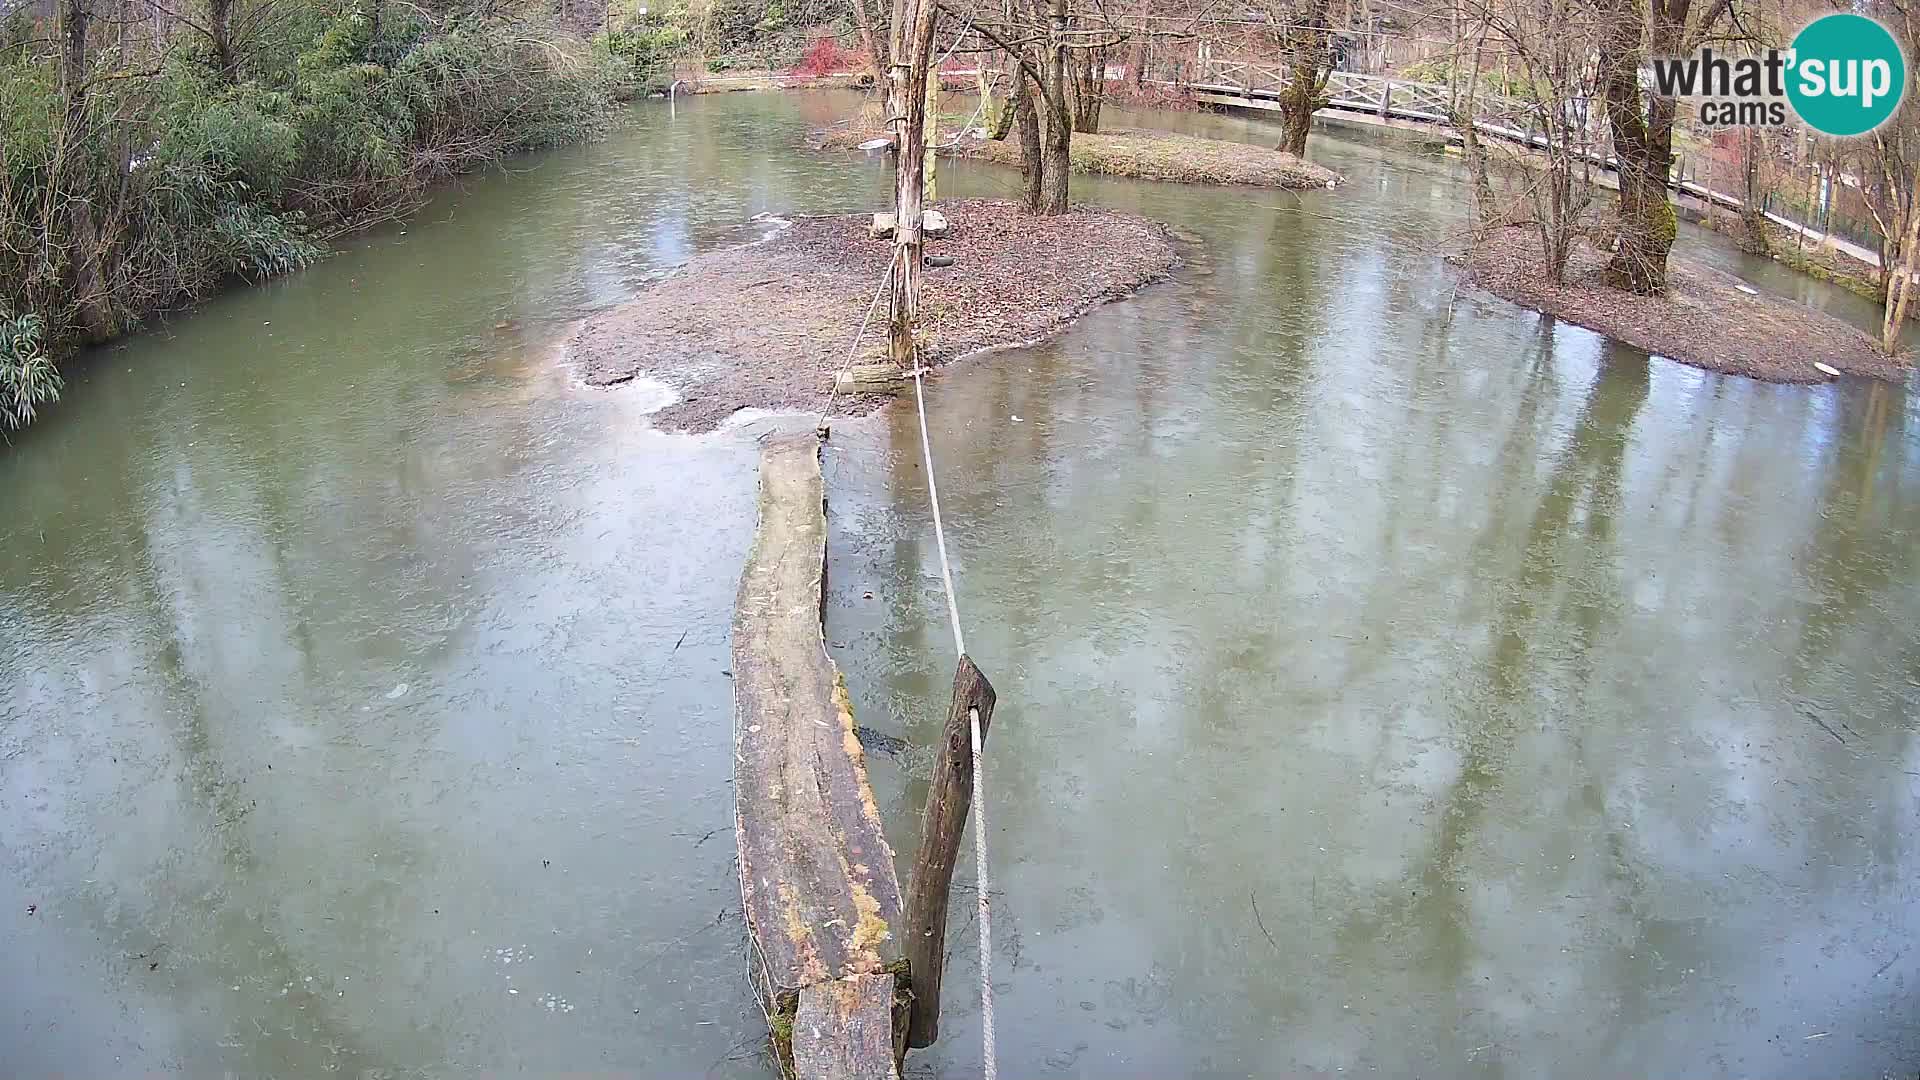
817, 880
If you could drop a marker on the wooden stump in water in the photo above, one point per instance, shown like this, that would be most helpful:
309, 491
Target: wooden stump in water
942, 822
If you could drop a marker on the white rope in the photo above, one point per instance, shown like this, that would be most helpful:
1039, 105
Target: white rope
854, 348
933, 496
968, 126
982, 882
981, 886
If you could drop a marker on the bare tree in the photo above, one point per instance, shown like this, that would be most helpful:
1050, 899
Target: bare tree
1087, 86
1552, 44
1889, 163
1033, 38
87, 283
873, 47
1755, 152
1642, 127
1463, 113
1899, 276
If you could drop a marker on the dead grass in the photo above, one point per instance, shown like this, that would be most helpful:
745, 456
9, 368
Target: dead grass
1703, 319
1140, 155
767, 325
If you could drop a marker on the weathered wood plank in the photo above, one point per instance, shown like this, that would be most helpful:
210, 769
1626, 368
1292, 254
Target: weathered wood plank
844, 1030
882, 378
816, 875
943, 822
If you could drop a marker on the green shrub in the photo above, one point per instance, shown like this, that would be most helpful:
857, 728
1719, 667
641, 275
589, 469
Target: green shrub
646, 45
27, 378
176, 180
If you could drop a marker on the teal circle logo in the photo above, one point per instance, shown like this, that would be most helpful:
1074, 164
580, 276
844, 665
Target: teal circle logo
1847, 74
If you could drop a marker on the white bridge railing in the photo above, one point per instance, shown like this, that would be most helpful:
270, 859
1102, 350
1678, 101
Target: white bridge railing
1384, 96
1509, 119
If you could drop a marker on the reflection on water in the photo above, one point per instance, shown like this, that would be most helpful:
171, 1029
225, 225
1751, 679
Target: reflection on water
1390, 679
1399, 682
363, 705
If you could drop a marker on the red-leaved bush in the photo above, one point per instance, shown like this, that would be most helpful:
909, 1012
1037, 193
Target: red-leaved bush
825, 56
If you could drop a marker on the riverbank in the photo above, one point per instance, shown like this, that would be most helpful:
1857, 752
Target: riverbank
767, 325
250, 169
767, 81
1820, 260
1704, 319
1135, 154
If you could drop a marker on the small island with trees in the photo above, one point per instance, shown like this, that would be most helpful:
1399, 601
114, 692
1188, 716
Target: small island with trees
155, 152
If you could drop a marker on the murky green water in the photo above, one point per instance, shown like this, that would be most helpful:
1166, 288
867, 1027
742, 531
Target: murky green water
1381, 689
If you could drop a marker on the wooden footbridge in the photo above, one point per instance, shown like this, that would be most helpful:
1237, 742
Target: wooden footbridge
1255, 84
1384, 100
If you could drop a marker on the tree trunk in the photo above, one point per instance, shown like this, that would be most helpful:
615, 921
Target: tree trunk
1003, 121
74, 20
1466, 107
1058, 134
912, 50
1296, 115
1309, 57
1900, 280
931, 135
1642, 141
85, 256
1486, 209
1057, 157
990, 112
870, 45
943, 820
1753, 206
1555, 203
220, 31
1089, 86
1813, 183
1027, 120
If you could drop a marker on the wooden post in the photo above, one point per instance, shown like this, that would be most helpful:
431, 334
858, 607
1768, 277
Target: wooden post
903, 301
932, 133
942, 824
907, 108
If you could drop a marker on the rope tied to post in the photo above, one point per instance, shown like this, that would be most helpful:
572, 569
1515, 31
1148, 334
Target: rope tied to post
853, 349
979, 701
982, 879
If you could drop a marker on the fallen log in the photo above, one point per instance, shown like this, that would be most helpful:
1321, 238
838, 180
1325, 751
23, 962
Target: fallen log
817, 880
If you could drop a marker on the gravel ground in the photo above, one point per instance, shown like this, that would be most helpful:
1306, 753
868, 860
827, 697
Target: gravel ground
767, 325
1703, 319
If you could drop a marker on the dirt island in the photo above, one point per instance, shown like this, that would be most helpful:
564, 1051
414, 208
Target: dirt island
768, 324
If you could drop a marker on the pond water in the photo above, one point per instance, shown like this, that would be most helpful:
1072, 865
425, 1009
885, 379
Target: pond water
1391, 679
